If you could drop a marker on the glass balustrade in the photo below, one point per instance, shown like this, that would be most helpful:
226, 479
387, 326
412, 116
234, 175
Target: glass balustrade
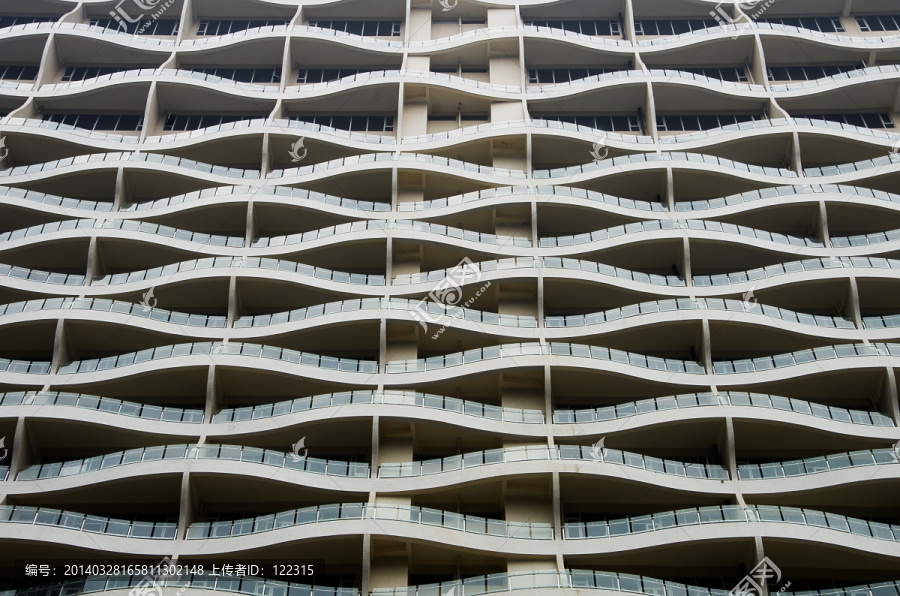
94, 524
729, 514
238, 453
102, 404
404, 398
348, 365
725, 398
816, 465
539, 453
360, 511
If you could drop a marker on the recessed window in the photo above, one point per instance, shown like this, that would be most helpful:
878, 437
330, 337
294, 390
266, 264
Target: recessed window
809, 73
607, 123
822, 24
244, 75
606, 28
214, 27
104, 122
323, 75
862, 119
672, 26
367, 28
83, 73
880, 22
682, 122
9, 72
143, 27
565, 75
196, 122
355, 122
12, 21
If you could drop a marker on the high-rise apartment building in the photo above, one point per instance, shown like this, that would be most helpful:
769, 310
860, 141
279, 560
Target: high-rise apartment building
450, 297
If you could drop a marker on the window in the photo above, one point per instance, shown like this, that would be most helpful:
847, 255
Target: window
565, 75
359, 123
82, 73
224, 27
323, 75
864, 120
367, 28
735, 74
105, 122
459, 70
607, 28
880, 22
808, 73
672, 26
461, 117
462, 21
244, 75
145, 27
701, 121
196, 122
9, 72
823, 24
12, 21
607, 123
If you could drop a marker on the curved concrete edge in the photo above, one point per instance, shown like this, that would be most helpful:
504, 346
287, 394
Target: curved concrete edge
467, 542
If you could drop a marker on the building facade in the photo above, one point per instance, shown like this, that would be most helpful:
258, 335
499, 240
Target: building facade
450, 297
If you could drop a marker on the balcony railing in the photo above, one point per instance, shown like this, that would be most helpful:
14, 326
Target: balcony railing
215, 348
251, 586
360, 511
668, 224
548, 263
115, 306
94, 524
44, 277
817, 465
405, 398
819, 354
151, 158
398, 304
283, 192
254, 455
539, 453
730, 514
549, 580
101, 404
252, 263
725, 398
714, 304
537, 349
